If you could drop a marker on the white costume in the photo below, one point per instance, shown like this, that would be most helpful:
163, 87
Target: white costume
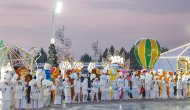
47, 96
107, 88
147, 87
95, 89
185, 82
34, 97
84, 85
126, 85
171, 88
115, 90
67, 91
103, 86
139, 84
48, 87
20, 94
164, 92
41, 93
156, 89
58, 92
77, 88
24, 84
188, 87
134, 87
152, 93
7, 91
121, 87
179, 88
13, 83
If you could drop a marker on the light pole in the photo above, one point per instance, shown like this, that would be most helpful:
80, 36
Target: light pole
57, 10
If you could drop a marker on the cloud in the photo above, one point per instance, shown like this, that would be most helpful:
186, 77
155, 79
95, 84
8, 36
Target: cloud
147, 6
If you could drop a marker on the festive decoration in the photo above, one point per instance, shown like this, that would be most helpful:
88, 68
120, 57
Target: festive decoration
65, 65
52, 58
117, 59
78, 65
147, 51
18, 56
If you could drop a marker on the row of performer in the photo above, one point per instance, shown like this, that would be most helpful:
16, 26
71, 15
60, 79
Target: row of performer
124, 87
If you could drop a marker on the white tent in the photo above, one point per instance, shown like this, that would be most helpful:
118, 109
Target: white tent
169, 60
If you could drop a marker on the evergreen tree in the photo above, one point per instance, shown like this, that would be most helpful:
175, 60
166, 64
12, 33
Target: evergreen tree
43, 57
105, 53
86, 58
52, 58
112, 49
122, 50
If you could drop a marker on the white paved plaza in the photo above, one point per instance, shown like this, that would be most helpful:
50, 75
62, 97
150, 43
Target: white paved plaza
125, 105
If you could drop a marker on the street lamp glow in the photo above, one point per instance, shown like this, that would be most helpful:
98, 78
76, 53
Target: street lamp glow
52, 41
58, 7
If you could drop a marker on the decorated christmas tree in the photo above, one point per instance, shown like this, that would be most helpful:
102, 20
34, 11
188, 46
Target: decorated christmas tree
52, 58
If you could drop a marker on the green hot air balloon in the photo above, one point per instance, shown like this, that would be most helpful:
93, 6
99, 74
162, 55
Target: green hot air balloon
147, 51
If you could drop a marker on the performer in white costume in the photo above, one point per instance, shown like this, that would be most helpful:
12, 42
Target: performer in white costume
24, 84
67, 90
34, 94
148, 83
126, 85
84, 85
164, 90
156, 88
20, 94
7, 92
77, 89
58, 92
179, 88
152, 93
171, 88
139, 83
185, 82
48, 87
121, 86
40, 78
107, 88
95, 89
115, 90
134, 87
103, 85
13, 83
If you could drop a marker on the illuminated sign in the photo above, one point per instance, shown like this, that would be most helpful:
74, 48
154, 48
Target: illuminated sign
117, 59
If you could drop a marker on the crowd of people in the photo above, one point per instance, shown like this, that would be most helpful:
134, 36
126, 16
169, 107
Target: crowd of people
127, 85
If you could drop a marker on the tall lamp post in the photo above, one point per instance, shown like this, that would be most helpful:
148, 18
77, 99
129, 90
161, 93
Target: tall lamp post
57, 10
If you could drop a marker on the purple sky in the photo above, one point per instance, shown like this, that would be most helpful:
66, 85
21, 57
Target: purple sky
118, 22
